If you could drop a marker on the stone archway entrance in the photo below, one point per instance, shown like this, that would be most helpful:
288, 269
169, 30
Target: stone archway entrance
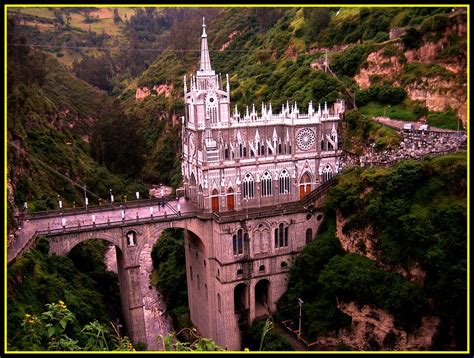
262, 299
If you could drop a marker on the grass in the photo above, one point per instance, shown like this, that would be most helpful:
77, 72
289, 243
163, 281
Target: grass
399, 111
36, 11
298, 21
344, 13
446, 120
414, 72
69, 57
384, 136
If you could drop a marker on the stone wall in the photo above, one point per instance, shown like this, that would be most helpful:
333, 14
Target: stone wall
374, 329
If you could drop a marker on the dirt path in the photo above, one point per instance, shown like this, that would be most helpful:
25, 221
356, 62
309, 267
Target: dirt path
282, 331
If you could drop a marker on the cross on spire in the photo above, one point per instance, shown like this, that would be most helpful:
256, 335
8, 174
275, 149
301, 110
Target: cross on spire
205, 59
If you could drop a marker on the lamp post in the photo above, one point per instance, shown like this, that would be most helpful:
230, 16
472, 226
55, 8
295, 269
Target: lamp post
86, 200
300, 303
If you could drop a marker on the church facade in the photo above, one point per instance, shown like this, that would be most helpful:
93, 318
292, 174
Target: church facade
234, 160
231, 162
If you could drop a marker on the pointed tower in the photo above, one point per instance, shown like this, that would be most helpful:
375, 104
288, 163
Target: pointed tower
205, 66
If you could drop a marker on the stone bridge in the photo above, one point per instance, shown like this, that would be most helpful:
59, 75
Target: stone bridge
226, 289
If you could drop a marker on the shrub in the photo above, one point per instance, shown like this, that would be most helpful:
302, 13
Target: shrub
412, 38
348, 62
447, 119
436, 23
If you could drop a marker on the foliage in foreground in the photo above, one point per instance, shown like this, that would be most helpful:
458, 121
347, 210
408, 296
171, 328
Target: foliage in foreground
36, 279
52, 331
261, 336
171, 343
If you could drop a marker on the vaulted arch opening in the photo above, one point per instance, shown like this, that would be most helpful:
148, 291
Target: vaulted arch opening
241, 304
97, 259
180, 275
262, 299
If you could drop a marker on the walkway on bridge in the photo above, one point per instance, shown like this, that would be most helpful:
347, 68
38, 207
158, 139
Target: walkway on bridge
58, 220
131, 213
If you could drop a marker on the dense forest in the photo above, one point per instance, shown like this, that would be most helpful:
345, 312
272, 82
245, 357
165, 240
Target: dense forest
418, 212
74, 121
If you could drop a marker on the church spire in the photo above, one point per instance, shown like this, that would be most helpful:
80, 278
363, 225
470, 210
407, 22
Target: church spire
205, 59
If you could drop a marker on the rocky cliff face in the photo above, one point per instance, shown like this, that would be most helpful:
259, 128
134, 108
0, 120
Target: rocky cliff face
361, 241
378, 65
374, 329
436, 92
144, 92
357, 241
439, 94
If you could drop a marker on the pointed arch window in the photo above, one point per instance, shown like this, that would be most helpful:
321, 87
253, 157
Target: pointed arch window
249, 186
238, 242
281, 236
266, 184
284, 182
327, 173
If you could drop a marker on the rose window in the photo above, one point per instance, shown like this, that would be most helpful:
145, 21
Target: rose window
305, 138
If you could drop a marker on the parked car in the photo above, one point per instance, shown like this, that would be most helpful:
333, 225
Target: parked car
408, 126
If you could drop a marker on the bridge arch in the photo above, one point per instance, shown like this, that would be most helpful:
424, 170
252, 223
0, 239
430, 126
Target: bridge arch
60, 245
196, 266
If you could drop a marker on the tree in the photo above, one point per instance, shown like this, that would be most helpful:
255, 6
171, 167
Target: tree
117, 18
266, 17
317, 19
412, 38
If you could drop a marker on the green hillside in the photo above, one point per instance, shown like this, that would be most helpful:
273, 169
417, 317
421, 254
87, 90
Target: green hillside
52, 117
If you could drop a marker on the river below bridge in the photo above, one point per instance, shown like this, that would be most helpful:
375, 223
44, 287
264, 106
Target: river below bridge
157, 321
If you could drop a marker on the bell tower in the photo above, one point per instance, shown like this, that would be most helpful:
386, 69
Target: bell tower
207, 109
